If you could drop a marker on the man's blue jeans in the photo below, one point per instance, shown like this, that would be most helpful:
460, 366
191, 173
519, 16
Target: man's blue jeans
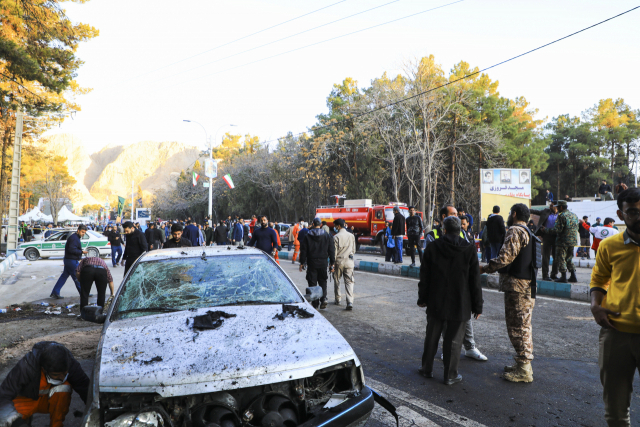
116, 254
70, 266
495, 249
398, 240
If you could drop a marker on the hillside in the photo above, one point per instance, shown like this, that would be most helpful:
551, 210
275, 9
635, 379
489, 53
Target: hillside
111, 170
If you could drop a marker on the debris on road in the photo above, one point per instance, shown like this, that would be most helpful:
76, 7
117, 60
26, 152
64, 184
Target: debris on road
211, 320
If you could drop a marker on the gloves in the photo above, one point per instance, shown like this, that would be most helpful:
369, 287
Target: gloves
8, 415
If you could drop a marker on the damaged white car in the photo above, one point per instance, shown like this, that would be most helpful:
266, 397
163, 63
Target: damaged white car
221, 338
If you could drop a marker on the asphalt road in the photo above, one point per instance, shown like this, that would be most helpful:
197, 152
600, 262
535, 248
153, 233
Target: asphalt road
386, 329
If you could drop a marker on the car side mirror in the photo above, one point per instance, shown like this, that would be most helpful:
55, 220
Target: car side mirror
314, 293
92, 313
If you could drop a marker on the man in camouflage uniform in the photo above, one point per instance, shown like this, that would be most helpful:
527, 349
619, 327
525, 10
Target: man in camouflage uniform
518, 301
566, 231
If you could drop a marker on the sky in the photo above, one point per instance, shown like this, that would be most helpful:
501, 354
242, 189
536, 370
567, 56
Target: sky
158, 63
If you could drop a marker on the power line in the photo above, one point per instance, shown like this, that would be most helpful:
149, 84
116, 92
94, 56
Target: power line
276, 41
468, 75
320, 42
233, 41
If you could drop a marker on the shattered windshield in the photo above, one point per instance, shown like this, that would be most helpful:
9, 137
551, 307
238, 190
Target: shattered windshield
176, 284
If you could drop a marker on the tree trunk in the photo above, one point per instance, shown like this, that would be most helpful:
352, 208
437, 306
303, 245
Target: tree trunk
558, 193
452, 182
6, 139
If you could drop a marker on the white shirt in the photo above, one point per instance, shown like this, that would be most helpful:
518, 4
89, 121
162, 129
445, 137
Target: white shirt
603, 232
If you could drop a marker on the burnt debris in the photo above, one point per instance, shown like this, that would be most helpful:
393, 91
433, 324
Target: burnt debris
293, 310
153, 360
210, 320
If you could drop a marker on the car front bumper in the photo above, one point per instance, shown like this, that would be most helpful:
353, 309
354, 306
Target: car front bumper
350, 413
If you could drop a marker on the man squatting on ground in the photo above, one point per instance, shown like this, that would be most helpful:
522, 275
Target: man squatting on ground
41, 383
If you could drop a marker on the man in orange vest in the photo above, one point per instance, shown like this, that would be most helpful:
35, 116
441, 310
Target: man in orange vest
296, 243
41, 383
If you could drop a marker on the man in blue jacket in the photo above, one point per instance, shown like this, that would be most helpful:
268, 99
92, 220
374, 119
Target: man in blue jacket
191, 233
72, 256
238, 232
264, 238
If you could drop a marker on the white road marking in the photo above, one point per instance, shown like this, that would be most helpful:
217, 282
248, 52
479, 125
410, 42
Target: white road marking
408, 417
483, 289
400, 395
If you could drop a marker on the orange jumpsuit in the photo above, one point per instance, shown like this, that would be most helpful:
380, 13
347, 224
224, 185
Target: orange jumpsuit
277, 258
54, 400
296, 243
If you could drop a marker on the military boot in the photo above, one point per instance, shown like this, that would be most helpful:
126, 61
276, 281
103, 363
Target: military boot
522, 374
573, 278
511, 368
563, 278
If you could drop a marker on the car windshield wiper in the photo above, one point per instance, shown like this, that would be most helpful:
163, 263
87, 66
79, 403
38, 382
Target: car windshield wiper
254, 302
163, 309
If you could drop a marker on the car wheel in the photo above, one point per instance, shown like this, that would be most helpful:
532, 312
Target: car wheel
93, 252
31, 254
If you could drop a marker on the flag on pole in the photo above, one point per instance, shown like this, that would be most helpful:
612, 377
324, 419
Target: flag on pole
229, 181
120, 205
195, 179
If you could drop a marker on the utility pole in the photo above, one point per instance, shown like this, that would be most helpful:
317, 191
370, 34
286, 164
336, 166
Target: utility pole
14, 200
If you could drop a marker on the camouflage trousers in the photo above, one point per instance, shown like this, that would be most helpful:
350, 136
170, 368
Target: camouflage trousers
518, 308
564, 254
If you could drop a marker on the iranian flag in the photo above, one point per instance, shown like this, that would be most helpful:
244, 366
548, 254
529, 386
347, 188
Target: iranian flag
195, 179
229, 181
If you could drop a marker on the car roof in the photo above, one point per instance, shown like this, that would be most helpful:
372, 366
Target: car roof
193, 251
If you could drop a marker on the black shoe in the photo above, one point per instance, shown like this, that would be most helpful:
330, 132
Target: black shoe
349, 307
453, 380
562, 279
573, 278
554, 277
413, 264
323, 305
55, 296
425, 374
547, 279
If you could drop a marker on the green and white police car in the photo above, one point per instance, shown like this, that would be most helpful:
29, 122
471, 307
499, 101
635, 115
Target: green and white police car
95, 243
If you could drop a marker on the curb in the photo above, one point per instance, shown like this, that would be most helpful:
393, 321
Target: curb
574, 291
8, 262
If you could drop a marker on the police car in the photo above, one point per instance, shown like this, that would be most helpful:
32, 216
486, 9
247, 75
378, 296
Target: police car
95, 243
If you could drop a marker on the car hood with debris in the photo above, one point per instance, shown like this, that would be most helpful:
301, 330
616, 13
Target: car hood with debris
164, 354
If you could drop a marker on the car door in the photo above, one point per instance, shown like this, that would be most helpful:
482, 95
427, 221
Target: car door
54, 245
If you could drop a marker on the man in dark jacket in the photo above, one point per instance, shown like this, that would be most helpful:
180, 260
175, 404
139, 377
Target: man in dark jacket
238, 232
72, 255
264, 238
397, 231
176, 240
42, 383
208, 234
585, 238
115, 240
496, 231
450, 289
221, 234
315, 248
192, 233
136, 245
153, 236
414, 230
547, 219
605, 191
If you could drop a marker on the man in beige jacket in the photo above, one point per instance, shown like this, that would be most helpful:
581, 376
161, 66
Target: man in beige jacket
345, 244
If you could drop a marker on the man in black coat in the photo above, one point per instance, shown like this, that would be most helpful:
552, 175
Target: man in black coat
397, 231
547, 219
450, 289
221, 234
176, 240
72, 255
42, 382
495, 231
315, 249
136, 245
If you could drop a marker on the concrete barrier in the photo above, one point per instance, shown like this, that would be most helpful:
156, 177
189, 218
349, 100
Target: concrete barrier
8, 262
574, 291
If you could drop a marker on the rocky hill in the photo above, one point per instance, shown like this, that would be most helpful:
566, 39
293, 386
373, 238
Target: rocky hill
111, 170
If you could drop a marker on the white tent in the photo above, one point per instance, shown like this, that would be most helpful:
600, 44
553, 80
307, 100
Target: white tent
35, 215
66, 215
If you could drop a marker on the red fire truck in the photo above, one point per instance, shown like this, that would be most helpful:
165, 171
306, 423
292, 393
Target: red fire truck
367, 219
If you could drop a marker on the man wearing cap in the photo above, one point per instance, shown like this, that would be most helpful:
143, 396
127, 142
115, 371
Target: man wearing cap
345, 248
176, 240
136, 245
585, 237
566, 231
315, 248
598, 223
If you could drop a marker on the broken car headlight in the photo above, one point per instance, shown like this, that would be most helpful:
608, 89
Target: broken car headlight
143, 419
